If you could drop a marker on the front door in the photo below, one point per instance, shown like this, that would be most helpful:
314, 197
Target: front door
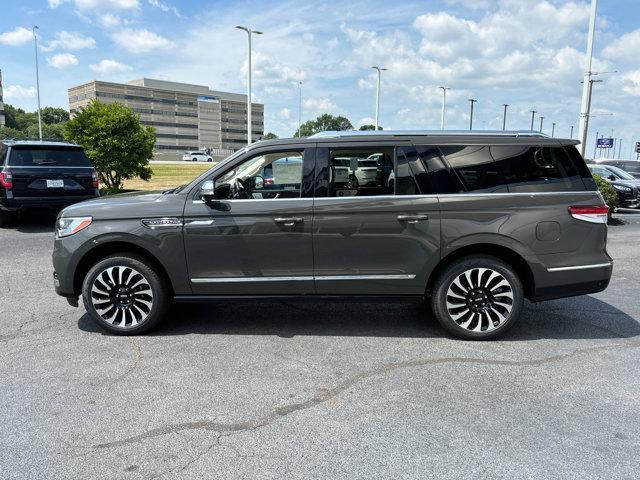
379, 237
254, 236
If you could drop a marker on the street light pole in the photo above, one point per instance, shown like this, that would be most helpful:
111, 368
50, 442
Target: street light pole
249, 32
444, 105
35, 41
504, 116
541, 122
472, 100
379, 70
533, 116
584, 109
553, 129
619, 148
299, 109
595, 146
571, 136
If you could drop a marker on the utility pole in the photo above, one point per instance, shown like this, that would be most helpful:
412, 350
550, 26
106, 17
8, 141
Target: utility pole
379, 70
584, 109
249, 32
619, 148
444, 105
541, 122
533, 116
35, 41
571, 136
595, 147
553, 129
472, 100
504, 116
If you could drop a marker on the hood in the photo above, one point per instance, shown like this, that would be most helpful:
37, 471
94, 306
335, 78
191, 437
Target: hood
129, 205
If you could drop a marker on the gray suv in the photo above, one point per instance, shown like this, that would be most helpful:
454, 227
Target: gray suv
473, 223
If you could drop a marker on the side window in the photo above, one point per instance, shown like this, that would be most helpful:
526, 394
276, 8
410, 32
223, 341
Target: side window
575, 157
405, 184
266, 176
361, 171
537, 169
3, 153
475, 168
436, 176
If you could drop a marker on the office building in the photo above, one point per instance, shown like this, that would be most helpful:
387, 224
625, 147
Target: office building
185, 116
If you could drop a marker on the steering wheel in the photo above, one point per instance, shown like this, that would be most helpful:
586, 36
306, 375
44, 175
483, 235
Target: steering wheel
240, 190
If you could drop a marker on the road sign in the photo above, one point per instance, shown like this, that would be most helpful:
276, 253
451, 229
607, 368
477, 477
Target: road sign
605, 143
637, 147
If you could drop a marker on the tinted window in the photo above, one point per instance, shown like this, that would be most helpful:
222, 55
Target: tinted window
48, 156
575, 157
404, 181
436, 175
537, 169
3, 153
475, 168
361, 171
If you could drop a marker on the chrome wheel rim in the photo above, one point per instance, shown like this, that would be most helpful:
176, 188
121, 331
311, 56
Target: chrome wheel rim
122, 296
479, 299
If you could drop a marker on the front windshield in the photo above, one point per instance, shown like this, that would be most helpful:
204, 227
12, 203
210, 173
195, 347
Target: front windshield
620, 173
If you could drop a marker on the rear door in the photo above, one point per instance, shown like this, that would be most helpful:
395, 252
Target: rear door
50, 171
378, 238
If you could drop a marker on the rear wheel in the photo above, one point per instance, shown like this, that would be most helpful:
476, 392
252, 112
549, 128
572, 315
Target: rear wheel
125, 294
477, 298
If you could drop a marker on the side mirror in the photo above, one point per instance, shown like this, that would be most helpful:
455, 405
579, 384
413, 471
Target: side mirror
612, 177
207, 191
258, 183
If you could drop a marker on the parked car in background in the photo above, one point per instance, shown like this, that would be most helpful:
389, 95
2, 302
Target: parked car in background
36, 174
473, 224
630, 166
196, 156
628, 188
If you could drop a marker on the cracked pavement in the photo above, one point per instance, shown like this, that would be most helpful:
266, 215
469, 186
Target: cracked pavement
319, 390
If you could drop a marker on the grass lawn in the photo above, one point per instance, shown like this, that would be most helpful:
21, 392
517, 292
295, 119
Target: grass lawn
168, 175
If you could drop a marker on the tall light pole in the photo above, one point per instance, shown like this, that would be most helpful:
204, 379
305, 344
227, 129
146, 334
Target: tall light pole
249, 32
444, 105
379, 70
472, 101
571, 136
584, 108
299, 109
541, 122
619, 148
504, 116
533, 116
553, 129
595, 146
35, 42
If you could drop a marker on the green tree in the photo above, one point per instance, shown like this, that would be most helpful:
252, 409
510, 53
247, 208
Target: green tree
369, 127
12, 133
51, 115
49, 132
117, 144
608, 193
270, 136
323, 123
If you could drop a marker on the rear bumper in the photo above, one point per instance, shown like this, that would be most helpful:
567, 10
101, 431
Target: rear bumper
572, 280
19, 203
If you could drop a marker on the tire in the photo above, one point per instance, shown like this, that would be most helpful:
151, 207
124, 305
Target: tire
209, 160
143, 295
477, 298
194, 159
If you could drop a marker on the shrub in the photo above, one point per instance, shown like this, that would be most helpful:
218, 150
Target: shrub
608, 193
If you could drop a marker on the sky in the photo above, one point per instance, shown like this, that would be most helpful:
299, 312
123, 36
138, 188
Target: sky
525, 53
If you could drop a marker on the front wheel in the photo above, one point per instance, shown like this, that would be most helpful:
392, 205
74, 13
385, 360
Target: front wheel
125, 295
477, 298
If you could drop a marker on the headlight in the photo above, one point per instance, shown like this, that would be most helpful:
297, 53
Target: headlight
71, 225
622, 188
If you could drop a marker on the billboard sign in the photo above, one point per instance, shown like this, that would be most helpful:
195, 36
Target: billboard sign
605, 143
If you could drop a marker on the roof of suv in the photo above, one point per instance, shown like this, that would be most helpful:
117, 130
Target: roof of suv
40, 143
429, 136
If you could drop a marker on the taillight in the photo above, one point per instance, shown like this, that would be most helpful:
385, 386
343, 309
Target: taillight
590, 213
6, 179
96, 179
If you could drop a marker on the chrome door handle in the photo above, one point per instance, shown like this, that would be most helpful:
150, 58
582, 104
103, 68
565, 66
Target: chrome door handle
288, 222
413, 218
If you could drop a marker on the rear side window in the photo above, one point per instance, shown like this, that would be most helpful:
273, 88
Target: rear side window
48, 156
574, 155
537, 169
475, 168
3, 153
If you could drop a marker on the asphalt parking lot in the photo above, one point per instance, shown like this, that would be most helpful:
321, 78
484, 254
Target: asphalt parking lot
286, 390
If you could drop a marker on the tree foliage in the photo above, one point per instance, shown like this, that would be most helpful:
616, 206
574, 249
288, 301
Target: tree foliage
369, 127
608, 193
323, 123
270, 136
20, 124
117, 144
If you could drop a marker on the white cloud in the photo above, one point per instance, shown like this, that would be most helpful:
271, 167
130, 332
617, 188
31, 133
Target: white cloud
62, 61
285, 114
626, 47
320, 105
140, 41
631, 83
165, 7
17, 36
69, 41
18, 92
98, 5
109, 20
108, 66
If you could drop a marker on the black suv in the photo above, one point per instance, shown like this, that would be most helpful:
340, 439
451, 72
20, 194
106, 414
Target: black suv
473, 223
43, 174
630, 166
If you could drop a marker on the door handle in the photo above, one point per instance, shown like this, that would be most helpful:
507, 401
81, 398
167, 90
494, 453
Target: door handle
288, 222
412, 218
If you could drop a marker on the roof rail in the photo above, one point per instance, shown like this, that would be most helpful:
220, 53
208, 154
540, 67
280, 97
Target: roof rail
439, 133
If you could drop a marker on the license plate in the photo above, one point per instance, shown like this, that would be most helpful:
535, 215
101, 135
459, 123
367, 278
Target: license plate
55, 183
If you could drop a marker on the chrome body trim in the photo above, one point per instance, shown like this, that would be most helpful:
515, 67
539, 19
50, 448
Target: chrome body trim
305, 278
579, 267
